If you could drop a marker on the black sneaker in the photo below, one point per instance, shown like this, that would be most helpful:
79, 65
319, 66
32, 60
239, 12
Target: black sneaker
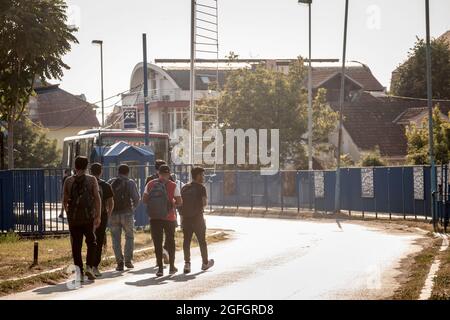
173, 270
165, 256
119, 267
160, 272
206, 266
90, 273
129, 265
187, 267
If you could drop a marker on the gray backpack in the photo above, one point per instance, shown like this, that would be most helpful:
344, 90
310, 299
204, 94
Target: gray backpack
158, 204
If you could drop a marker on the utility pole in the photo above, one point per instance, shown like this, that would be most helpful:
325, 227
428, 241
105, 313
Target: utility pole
337, 194
146, 113
192, 85
310, 112
430, 112
100, 42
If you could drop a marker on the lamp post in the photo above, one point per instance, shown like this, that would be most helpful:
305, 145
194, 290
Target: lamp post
310, 113
337, 195
430, 111
100, 42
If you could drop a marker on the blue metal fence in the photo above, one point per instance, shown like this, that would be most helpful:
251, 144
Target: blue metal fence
30, 200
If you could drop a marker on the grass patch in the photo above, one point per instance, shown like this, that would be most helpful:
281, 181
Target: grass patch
417, 268
9, 237
16, 258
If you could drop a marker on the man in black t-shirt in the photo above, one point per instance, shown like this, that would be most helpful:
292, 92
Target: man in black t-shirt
193, 222
107, 197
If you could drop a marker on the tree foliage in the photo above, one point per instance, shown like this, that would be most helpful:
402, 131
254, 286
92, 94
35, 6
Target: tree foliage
410, 81
417, 137
34, 37
261, 98
32, 148
372, 159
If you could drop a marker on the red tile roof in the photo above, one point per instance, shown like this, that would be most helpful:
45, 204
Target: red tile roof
372, 122
59, 108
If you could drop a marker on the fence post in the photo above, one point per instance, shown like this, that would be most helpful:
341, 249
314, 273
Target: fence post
389, 192
281, 191
266, 194
237, 188
251, 191
403, 193
297, 189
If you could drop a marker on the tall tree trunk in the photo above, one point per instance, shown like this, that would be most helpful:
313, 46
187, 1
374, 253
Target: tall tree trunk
10, 142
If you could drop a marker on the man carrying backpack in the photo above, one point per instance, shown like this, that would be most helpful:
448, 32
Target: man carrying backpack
162, 196
194, 201
126, 199
83, 206
158, 164
106, 194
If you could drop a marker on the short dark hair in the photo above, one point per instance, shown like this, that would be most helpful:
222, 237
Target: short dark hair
164, 169
96, 169
124, 169
81, 163
159, 163
196, 171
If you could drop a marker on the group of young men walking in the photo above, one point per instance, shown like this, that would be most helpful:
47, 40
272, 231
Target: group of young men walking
92, 204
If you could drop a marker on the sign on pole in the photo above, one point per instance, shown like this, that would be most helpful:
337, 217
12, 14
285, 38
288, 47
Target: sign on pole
129, 118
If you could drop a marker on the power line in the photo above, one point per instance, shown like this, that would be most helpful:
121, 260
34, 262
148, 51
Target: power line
90, 104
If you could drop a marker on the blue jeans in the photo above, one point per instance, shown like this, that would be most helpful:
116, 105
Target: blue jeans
117, 222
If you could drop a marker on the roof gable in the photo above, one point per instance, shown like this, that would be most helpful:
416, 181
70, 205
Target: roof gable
56, 107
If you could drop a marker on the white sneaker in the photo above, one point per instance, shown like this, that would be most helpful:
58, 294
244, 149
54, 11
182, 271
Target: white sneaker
206, 266
97, 272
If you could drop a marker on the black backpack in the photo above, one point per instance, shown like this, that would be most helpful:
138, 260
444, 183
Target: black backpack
122, 200
81, 203
192, 203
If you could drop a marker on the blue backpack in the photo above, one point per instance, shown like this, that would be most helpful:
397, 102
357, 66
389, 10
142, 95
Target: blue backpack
158, 204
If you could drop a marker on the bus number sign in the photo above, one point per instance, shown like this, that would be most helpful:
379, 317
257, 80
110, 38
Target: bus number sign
129, 118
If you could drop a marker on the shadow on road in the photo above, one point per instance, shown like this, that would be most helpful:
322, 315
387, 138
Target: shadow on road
66, 286
145, 271
163, 280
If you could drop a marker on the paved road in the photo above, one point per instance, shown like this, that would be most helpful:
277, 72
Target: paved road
265, 259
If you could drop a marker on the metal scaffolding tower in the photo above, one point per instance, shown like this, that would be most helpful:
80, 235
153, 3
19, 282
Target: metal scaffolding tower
204, 47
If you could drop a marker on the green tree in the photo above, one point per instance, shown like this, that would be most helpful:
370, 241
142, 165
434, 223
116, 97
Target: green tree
34, 37
417, 138
260, 98
32, 147
410, 81
372, 159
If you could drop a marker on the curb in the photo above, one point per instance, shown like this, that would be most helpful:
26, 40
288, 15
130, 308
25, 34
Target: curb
60, 269
427, 289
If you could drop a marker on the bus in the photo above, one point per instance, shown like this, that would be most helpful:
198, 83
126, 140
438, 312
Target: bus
83, 144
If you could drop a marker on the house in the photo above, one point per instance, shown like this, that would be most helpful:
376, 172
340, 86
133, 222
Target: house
372, 119
61, 112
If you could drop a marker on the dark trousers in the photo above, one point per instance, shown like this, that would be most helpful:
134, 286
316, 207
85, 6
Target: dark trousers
197, 226
159, 228
100, 240
76, 234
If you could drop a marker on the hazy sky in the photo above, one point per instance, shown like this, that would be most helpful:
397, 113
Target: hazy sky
380, 34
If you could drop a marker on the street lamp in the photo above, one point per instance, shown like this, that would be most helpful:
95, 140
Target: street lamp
310, 113
337, 194
100, 42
